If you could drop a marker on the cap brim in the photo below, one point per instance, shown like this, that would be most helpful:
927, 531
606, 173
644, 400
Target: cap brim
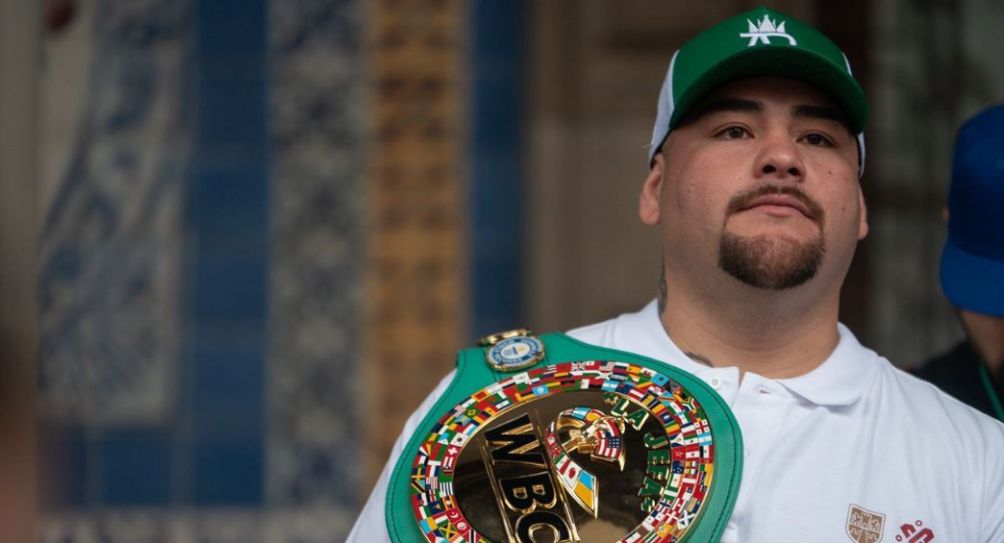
782, 61
972, 282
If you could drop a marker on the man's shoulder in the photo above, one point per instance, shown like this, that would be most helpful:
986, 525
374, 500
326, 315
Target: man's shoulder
927, 405
624, 331
599, 333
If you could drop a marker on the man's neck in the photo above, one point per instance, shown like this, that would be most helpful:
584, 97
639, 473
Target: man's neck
986, 334
777, 335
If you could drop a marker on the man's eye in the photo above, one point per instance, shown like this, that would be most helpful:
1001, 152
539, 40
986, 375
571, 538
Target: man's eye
734, 133
817, 139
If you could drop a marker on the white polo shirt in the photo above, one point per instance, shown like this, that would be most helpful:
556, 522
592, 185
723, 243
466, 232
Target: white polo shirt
855, 450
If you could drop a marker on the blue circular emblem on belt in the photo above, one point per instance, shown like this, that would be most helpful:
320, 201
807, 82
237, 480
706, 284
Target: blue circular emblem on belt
516, 353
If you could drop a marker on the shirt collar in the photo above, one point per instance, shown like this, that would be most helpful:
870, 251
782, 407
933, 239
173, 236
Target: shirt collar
658, 344
840, 380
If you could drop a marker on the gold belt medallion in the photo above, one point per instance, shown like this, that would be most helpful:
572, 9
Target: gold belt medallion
591, 451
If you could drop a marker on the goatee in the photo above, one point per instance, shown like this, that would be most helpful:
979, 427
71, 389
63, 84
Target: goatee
766, 262
772, 264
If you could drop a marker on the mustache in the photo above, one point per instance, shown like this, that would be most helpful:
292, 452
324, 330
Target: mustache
744, 200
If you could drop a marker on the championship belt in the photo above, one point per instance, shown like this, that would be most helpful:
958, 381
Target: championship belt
553, 440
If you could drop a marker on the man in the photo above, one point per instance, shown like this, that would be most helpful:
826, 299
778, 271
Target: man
972, 267
753, 184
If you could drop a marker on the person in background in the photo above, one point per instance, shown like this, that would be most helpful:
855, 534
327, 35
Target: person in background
972, 267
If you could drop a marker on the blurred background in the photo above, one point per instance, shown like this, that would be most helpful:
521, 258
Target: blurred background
240, 240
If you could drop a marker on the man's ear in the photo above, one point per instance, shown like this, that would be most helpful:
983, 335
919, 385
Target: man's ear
651, 190
863, 221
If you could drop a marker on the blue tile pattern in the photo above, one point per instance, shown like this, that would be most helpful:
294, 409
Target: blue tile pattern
111, 242
497, 140
227, 214
163, 219
316, 109
136, 465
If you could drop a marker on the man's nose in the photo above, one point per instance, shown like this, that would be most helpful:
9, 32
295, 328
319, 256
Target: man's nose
779, 158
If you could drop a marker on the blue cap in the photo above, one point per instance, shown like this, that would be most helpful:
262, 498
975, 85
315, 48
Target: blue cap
972, 262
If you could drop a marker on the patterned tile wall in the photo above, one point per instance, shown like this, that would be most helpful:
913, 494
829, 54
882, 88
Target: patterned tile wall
111, 263
315, 105
416, 220
209, 354
110, 254
200, 278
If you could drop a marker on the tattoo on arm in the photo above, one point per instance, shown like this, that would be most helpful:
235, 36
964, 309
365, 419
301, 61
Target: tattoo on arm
662, 289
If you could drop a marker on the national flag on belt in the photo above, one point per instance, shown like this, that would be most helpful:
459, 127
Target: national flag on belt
436, 507
450, 458
650, 401
482, 416
585, 489
608, 446
562, 463
422, 510
486, 403
418, 482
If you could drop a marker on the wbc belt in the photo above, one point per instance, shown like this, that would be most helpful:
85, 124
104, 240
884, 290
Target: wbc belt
553, 440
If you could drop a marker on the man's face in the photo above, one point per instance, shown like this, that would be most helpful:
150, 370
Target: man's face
761, 181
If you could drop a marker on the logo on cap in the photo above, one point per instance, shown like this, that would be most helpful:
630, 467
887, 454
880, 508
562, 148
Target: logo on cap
764, 30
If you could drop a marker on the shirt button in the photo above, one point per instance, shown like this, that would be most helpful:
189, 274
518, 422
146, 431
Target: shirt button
715, 383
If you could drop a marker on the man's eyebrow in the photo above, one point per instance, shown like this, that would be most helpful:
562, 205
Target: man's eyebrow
725, 103
827, 113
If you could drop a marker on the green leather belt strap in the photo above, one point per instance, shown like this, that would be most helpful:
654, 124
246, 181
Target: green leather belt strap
474, 374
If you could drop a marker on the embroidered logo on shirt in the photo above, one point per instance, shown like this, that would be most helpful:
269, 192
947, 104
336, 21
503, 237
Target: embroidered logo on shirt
864, 526
915, 533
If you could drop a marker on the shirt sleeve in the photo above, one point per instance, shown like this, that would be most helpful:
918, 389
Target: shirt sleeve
371, 526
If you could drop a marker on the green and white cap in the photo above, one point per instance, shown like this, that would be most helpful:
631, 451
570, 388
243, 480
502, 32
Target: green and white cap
761, 42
